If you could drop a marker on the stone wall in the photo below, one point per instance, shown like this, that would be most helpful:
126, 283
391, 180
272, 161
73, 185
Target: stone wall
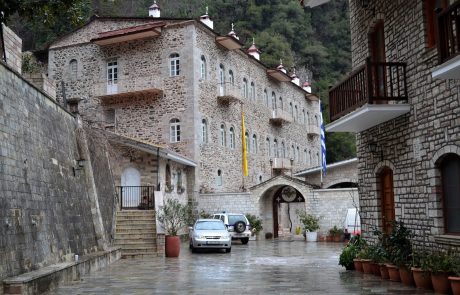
230, 202
45, 208
413, 142
342, 173
13, 48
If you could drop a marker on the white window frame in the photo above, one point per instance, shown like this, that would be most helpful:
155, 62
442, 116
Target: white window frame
223, 141
203, 68
232, 137
112, 76
231, 77
174, 65
222, 79
174, 130
254, 143
204, 131
219, 179
245, 88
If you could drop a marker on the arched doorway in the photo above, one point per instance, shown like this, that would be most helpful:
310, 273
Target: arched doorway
286, 201
130, 186
387, 199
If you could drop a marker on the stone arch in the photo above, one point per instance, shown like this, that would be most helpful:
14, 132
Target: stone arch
342, 180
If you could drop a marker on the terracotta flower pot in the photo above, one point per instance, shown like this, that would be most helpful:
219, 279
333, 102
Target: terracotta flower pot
384, 271
172, 246
375, 269
422, 279
336, 239
455, 285
406, 276
440, 283
367, 267
358, 264
393, 272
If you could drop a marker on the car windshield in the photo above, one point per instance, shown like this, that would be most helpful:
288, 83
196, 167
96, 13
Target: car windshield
210, 225
232, 219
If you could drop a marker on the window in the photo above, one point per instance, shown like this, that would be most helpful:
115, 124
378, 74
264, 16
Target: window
219, 177
268, 147
203, 68
307, 118
266, 98
430, 19
303, 117
260, 178
297, 155
292, 152
232, 138
275, 148
73, 67
246, 137
305, 156
318, 159
291, 110
179, 180
281, 103
450, 180
174, 65
252, 92
283, 149
221, 80
109, 118
174, 130
245, 88
273, 100
222, 135
310, 160
254, 144
168, 176
296, 114
231, 78
204, 131
112, 77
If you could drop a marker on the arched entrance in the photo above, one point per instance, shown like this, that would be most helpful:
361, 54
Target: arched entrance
286, 201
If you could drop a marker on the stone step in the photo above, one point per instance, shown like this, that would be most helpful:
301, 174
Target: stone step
135, 235
148, 241
136, 221
135, 212
139, 230
139, 250
139, 255
135, 226
140, 216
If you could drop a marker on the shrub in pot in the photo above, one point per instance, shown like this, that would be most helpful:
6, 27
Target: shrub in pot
366, 258
400, 253
422, 277
348, 258
310, 224
173, 217
256, 224
336, 233
440, 265
455, 277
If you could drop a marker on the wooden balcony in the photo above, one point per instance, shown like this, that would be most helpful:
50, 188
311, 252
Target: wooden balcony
229, 42
448, 41
144, 31
280, 116
372, 94
133, 87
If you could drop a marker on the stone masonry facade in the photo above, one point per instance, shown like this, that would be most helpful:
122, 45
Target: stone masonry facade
412, 143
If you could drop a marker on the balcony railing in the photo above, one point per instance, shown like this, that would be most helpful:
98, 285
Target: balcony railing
137, 197
372, 83
229, 92
280, 116
281, 163
146, 86
449, 33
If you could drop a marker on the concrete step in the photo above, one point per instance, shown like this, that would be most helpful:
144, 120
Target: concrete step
139, 255
136, 221
130, 230
135, 235
135, 212
136, 217
139, 250
120, 242
135, 226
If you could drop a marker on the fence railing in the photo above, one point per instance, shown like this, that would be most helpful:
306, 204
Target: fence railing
373, 83
126, 85
137, 197
448, 32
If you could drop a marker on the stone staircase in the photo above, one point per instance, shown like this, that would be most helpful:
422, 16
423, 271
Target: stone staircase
135, 233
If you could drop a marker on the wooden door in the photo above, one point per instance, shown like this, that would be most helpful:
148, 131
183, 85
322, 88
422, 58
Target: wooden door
377, 57
387, 198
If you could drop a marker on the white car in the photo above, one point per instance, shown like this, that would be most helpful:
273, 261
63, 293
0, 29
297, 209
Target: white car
210, 234
237, 225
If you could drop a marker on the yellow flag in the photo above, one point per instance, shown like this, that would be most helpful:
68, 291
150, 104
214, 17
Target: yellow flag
245, 152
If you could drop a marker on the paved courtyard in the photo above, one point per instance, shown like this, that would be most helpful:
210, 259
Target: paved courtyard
261, 267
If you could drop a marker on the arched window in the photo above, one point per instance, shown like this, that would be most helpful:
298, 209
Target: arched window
450, 180
268, 147
168, 177
291, 110
292, 152
283, 149
204, 131
174, 65
203, 68
246, 137
253, 92
307, 118
280, 105
260, 178
219, 177
303, 117
273, 100
174, 130
310, 160
232, 138
223, 141
275, 148
266, 98
305, 156
317, 120
297, 155
231, 78
296, 114
221, 80
245, 88
73, 67
254, 144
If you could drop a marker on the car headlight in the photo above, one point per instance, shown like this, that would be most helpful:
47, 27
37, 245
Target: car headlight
199, 237
226, 237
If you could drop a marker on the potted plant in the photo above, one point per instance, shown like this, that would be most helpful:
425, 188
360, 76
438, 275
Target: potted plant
365, 255
256, 225
336, 233
422, 277
173, 217
440, 265
381, 256
310, 224
348, 256
400, 253
455, 277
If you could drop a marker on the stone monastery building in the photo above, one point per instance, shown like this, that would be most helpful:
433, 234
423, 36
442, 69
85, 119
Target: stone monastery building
402, 100
176, 85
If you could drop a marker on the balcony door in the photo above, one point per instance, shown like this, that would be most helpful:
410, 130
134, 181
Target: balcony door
387, 199
377, 57
112, 77
130, 188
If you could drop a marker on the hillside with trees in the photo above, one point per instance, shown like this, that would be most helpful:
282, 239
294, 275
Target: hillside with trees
314, 41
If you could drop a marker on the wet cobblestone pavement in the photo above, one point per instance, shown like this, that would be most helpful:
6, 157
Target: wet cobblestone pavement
261, 267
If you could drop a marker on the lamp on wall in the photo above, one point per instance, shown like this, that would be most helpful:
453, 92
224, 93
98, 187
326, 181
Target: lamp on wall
376, 149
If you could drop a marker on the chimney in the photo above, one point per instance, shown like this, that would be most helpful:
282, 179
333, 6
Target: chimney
232, 33
295, 79
253, 51
206, 20
281, 67
154, 10
306, 86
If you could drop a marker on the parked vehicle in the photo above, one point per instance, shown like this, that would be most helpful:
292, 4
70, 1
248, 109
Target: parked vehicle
237, 225
210, 234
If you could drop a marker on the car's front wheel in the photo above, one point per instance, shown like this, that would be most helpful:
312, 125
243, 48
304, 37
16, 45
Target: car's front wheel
244, 241
228, 250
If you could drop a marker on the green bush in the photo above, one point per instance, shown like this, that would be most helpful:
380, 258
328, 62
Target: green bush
310, 223
439, 262
174, 216
335, 231
255, 222
346, 257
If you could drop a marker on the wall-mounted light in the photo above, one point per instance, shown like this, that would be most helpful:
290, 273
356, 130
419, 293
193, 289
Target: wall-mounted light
376, 149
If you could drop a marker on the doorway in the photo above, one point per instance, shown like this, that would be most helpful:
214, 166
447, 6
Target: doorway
387, 199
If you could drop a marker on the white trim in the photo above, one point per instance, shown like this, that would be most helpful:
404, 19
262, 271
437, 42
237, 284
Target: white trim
448, 70
329, 166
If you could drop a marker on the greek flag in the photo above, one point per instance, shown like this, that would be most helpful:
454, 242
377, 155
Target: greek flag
323, 140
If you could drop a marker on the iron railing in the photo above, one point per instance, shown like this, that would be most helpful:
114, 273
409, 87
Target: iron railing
448, 32
374, 82
137, 197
